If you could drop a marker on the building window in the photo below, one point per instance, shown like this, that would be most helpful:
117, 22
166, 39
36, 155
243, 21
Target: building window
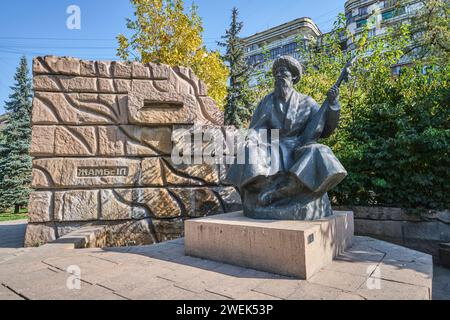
388, 14
389, 3
348, 16
288, 49
361, 23
363, 11
372, 33
255, 59
393, 13
400, 11
252, 47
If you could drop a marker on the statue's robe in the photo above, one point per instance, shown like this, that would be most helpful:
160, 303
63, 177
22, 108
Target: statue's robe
295, 153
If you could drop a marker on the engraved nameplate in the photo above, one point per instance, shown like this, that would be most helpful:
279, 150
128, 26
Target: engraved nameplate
86, 172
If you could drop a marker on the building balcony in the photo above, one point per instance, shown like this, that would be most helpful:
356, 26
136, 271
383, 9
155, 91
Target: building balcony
384, 7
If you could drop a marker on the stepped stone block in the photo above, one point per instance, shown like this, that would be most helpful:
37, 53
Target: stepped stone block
134, 141
120, 141
39, 234
199, 202
88, 68
122, 70
114, 208
168, 229
75, 141
130, 203
193, 174
79, 109
157, 202
148, 105
56, 65
77, 205
42, 141
40, 207
128, 233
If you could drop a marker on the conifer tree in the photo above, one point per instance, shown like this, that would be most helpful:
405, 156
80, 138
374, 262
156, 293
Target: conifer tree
15, 161
238, 108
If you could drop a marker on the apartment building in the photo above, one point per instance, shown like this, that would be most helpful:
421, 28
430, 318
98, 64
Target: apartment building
378, 16
281, 40
285, 39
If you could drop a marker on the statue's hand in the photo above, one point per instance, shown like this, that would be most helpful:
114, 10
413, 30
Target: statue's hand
333, 94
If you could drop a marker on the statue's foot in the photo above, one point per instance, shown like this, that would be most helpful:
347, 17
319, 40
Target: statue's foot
277, 192
265, 198
272, 195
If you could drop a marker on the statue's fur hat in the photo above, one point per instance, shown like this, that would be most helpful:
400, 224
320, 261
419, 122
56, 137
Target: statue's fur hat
294, 66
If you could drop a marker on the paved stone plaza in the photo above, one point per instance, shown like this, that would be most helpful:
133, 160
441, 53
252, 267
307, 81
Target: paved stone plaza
12, 233
371, 269
441, 283
11, 239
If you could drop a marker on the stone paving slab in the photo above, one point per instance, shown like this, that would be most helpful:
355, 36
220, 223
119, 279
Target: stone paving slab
12, 234
7, 294
441, 283
368, 270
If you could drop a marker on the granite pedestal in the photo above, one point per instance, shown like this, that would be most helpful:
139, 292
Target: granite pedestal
292, 248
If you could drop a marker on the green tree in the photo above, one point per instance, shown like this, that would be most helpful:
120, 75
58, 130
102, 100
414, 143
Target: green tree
239, 102
163, 32
2, 124
15, 162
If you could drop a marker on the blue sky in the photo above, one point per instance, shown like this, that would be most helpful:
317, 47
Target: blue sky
34, 28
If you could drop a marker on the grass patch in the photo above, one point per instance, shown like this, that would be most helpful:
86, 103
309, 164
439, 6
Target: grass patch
8, 216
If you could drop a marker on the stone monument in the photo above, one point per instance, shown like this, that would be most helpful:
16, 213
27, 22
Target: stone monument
287, 180
102, 138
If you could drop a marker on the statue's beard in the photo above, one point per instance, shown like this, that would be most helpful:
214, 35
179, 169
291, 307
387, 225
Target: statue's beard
282, 88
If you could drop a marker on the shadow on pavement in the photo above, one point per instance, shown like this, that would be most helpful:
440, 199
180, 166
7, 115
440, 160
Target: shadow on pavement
12, 234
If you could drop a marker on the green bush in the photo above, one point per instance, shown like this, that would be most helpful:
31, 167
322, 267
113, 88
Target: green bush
396, 147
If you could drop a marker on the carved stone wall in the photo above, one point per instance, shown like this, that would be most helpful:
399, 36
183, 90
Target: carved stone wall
101, 142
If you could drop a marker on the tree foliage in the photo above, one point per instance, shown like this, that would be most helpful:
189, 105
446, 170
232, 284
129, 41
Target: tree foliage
15, 162
431, 41
239, 101
163, 32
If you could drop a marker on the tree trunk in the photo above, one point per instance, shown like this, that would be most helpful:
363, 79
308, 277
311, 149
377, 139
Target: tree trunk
16, 209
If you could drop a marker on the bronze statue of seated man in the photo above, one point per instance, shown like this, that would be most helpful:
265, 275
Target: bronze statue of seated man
293, 184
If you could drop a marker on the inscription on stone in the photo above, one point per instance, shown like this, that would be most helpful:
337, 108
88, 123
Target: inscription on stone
84, 172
